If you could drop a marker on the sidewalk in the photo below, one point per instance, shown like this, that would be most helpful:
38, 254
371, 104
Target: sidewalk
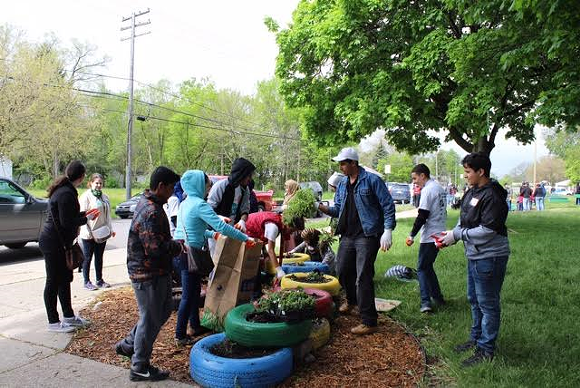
34, 357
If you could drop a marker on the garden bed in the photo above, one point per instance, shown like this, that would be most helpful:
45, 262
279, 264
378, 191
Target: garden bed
389, 358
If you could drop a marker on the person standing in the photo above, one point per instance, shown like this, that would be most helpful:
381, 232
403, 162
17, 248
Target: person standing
94, 198
150, 251
578, 193
539, 195
194, 217
230, 198
58, 233
482, 228
366, 219
432, 215
526, 193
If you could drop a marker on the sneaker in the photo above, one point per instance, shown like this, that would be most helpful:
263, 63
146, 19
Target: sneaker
77, 321
363, 329
186, 341
479, 356
123, 350
148, 373
426, 309
103, 284
348, 309
465, 346
90, 286
61, 327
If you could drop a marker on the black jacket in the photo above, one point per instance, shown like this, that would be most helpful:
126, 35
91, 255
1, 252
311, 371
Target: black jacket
241, 168
64, 206
485, 206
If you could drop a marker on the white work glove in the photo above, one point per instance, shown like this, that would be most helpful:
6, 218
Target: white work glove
280, 272
292, 251
241, 226
387, 240
448, 238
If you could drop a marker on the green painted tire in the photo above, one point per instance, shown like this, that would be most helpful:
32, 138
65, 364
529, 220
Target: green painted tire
254, 334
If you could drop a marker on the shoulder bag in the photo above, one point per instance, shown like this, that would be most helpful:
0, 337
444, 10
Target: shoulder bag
74, 255
198, 260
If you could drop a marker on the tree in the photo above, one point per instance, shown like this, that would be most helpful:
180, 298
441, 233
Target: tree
466, 69
566, 145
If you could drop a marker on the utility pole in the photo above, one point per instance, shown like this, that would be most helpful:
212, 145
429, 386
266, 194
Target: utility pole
128, 179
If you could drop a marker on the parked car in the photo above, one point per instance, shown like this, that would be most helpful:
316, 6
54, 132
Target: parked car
401, 192
126, 209
315, 187
264, 197
21, 215
562, 191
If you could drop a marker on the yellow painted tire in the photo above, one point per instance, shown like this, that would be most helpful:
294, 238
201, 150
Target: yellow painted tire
320, 333
298, 258
333, 286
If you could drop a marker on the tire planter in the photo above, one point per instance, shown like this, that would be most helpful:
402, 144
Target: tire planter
298, 258
320, 334
307, 266
209, 370
333, 287
323, 307
263, 335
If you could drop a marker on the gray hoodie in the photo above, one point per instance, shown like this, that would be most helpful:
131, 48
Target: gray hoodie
481, 224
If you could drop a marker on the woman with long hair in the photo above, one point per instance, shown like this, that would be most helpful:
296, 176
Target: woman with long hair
95, 233
59, 232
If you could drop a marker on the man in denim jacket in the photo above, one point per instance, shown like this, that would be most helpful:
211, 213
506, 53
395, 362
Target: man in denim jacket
366, 219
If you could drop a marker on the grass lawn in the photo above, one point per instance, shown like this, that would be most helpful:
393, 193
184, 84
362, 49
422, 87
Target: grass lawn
115, 195
539, 342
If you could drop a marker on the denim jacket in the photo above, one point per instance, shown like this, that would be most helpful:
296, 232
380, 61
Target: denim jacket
373, 202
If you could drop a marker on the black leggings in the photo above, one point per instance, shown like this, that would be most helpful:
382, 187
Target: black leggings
58, 279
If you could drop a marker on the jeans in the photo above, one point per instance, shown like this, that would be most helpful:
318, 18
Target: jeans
189, 305
428, 283
527, 204
540, 203
90, 247
155, 306
356, 270
484, 280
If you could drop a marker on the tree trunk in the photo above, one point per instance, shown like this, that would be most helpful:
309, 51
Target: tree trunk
55, 164
484, 146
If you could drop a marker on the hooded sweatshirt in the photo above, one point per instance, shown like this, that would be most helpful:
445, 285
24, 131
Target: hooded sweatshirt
481, 224
195, 214
227, 197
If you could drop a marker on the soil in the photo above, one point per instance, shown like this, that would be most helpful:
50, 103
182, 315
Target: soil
262, 317
306, 280
389, 358
230, 349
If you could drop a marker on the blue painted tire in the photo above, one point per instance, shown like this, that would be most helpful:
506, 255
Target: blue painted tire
213, 371
308, 266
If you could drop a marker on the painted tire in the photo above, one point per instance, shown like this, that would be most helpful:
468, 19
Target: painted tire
333, 287
307, 266
323, 307
320, 334
264, 335
213, 371
298, 258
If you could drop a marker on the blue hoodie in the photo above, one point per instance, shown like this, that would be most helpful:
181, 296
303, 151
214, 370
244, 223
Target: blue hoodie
197, 214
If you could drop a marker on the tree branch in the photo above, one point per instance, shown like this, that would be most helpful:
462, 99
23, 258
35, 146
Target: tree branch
458, 138
456, 31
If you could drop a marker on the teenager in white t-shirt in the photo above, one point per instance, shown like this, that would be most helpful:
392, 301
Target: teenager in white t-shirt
432, 216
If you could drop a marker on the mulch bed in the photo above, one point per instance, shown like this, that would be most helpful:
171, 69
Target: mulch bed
389, 358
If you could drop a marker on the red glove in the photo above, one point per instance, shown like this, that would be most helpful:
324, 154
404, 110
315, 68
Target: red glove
250, 243
216, 235
92, 214
409, 241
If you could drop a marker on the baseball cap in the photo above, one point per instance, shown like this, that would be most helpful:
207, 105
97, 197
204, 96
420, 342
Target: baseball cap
346, 153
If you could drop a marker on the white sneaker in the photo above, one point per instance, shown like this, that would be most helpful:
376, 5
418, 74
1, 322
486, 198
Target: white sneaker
76, 321
61, 327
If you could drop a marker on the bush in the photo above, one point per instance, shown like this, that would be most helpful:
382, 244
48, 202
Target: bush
301, 205
41, 183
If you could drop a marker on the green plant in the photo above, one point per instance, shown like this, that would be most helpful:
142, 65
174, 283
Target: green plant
301, 205
315, 276
286, 300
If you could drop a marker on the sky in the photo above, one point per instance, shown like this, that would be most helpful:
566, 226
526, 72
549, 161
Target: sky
224, 41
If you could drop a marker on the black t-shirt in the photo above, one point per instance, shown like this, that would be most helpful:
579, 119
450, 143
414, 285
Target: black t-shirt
349, 224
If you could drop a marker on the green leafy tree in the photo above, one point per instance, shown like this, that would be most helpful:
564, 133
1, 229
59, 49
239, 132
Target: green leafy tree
566, 145
466, 69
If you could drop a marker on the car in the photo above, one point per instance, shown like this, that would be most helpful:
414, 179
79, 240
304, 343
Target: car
400, 192
21, 215
126, 209
562, 191
315, 187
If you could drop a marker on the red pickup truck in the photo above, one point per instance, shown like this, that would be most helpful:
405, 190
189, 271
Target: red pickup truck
264, 197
